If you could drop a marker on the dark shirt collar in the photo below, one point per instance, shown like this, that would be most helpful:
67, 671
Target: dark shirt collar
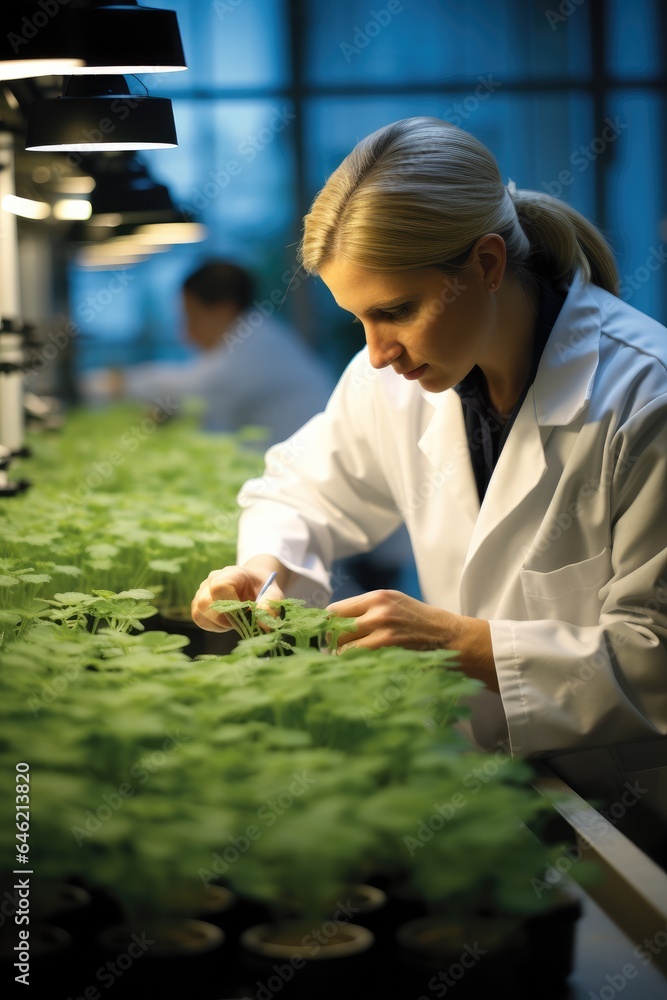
487, 430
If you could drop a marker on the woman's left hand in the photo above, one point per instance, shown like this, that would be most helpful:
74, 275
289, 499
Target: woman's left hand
390, 618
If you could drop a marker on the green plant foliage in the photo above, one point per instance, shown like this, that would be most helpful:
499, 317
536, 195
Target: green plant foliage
291, 626
120, 501
305, 771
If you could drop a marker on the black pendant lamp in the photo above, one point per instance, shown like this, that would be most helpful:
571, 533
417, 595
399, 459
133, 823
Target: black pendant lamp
126, 192
98, 113
44, 37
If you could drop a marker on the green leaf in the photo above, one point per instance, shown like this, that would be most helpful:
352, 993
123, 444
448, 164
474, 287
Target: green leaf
283, 739
72, 597
67, 570
171, 540
162, 642
8, 581
102, 550
39, 540
35, 578
165, 565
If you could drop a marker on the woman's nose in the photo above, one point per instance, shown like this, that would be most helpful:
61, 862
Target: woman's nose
382, 350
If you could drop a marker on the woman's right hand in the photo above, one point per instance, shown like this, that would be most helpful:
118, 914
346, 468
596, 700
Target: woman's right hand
235, 583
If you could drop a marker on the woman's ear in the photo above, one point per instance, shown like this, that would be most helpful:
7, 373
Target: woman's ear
489, 257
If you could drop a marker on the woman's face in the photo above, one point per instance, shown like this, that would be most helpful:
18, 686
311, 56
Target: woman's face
428, 325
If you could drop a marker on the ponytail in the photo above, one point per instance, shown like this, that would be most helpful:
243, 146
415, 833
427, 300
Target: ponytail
562, 240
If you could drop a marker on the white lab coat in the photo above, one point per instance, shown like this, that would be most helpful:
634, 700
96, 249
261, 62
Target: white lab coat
567, 556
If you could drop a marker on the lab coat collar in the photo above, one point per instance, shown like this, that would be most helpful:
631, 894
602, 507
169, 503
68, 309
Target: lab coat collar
558, 396
564, 379
560, 392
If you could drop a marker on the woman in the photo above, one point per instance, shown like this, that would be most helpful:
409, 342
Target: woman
511, 410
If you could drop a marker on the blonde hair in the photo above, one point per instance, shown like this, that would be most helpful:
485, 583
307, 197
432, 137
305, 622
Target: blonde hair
421, 192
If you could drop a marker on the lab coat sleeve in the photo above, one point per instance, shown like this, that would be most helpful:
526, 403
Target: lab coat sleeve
578, 687
323, 494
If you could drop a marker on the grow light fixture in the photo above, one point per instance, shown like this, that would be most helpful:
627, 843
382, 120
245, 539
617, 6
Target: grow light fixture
130, 208
91, 257
121, 246
87, 36
27, 208
99, 113
126, 192
171, 232
79, 184
72, 209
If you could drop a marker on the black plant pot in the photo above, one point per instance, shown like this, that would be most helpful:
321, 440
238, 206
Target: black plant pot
474, 956
104, 910
303, 962
60, 904
369, 907
402, 905
214, 905
550, 941
177, 621
169, 959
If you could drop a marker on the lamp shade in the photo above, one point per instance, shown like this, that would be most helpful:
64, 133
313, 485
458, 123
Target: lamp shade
124, 38
87, 37
99, 113
33, 42
131, 210
130, 196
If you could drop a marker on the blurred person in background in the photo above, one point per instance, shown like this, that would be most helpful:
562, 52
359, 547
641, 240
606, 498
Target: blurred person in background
251, 369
